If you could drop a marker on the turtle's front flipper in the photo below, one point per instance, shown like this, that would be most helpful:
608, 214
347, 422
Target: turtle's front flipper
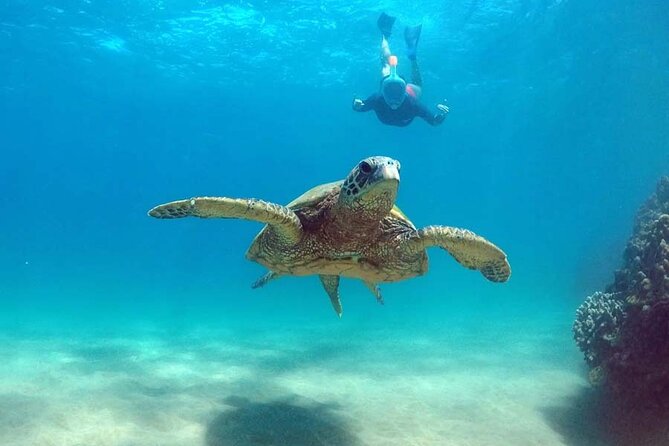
375, 291
283, 220
331, 285
470, 250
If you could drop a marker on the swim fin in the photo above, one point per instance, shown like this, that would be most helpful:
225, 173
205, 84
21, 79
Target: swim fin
385, 24
411, 35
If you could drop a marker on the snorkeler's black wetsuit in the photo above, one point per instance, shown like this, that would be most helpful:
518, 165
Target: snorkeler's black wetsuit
402, 116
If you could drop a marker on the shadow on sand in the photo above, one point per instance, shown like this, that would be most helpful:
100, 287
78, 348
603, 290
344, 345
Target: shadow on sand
591, 418
278, 423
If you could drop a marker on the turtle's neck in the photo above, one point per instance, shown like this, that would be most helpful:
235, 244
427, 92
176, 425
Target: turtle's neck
362, 217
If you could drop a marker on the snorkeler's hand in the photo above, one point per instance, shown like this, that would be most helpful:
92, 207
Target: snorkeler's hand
358, 104
441, 114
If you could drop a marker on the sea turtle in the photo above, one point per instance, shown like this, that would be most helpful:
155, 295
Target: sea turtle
349, 228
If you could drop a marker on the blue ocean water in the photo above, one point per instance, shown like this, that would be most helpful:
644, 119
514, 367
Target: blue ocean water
558, 130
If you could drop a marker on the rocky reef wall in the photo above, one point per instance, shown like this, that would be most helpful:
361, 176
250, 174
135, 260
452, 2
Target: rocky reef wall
623, 332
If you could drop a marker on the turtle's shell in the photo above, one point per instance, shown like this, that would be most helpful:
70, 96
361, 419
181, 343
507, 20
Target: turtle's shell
316, 194
376, 257
312, 197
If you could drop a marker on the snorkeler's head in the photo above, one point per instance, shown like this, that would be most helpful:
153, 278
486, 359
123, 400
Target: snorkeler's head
393, 87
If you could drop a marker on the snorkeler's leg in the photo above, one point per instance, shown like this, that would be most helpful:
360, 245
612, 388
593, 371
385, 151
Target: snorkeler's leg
416, 78
385, 54
385, 24
411, 36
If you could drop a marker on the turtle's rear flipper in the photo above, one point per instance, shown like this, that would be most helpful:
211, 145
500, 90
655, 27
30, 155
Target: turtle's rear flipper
331, 285
470, 250
271, 275
280, 218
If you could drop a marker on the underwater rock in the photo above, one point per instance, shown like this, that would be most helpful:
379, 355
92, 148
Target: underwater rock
639, 369
624, 332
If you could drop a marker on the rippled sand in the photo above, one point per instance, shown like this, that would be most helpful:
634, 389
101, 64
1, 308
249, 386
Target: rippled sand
459, 385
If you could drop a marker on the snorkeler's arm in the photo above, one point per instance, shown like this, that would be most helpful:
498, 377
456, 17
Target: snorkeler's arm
367, 104
432, 118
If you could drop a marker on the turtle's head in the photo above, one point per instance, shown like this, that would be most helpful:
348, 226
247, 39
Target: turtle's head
371, 187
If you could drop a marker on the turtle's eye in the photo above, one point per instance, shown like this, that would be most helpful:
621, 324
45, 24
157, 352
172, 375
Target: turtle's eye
365, 167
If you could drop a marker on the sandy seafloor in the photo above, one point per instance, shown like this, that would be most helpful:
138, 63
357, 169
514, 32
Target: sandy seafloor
460, 383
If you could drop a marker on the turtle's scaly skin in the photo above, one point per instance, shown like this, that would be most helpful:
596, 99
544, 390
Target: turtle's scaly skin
285, 222
350, 228
470, 250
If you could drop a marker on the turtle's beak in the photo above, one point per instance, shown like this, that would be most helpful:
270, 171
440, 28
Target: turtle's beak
387, 172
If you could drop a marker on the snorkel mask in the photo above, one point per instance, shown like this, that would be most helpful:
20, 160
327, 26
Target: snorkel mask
393, 87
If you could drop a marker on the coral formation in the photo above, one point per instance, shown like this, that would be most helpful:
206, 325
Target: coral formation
624, 332
597, 326
644, 277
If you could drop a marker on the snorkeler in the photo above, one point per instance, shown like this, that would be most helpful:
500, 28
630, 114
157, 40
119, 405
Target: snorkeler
398, 102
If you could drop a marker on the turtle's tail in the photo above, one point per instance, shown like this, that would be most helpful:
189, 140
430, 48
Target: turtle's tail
264, 279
